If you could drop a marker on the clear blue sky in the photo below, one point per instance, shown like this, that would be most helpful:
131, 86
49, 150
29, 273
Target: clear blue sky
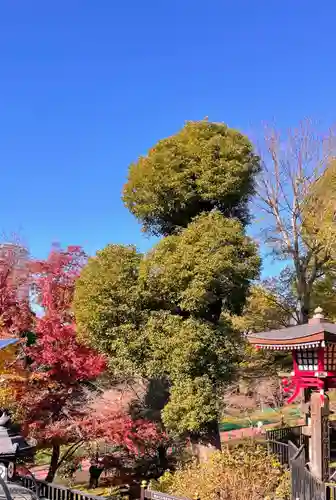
86, 86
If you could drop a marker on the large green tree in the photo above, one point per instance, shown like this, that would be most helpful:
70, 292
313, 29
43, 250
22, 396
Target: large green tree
162, 315
204, 166
165, 315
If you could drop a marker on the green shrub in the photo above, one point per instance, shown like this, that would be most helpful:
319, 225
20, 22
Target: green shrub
244, 472
283, 491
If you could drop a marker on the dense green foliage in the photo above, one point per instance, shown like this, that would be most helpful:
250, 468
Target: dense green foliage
191, 405
262, 312
204, 166
324, 295
165, 315
203, 270
109, 308
160, 315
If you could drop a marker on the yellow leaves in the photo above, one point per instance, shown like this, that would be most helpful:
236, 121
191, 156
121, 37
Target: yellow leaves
8, 398
9, 361
11, 388
230, 474
262, 312
319, 210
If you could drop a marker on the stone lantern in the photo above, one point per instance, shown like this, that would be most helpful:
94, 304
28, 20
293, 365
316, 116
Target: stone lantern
13, 448
313, 349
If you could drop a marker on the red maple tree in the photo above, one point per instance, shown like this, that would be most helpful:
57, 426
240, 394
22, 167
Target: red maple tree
16, 317
57, 398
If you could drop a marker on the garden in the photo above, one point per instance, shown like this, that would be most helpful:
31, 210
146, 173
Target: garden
136, 366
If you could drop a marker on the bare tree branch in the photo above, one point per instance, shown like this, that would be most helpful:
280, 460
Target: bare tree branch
292, 165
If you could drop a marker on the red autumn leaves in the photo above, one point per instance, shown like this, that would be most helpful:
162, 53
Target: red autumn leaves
57, 403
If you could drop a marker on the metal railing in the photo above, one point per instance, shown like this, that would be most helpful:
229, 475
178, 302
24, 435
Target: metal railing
280, 450
5, 489
55, 491
285, 434
331, 492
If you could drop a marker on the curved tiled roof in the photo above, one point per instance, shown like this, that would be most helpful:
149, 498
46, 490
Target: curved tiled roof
296, 332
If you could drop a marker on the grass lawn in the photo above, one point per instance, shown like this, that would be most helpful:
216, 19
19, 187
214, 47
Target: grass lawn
100, 491
42, 457
290, 413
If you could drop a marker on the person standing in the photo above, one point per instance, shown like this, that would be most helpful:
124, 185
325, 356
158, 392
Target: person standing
95, 471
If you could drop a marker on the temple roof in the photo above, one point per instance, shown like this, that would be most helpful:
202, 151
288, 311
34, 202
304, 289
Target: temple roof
309, 335
7, 342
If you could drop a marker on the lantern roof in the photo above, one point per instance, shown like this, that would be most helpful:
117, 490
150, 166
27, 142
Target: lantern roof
7, 342
12, 443
312, 334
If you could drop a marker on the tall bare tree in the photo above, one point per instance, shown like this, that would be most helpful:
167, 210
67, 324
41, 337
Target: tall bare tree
299, 222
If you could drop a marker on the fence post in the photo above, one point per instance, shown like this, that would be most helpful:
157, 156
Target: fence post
125, 492
143, 489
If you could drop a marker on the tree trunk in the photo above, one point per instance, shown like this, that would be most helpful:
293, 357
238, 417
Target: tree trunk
203, 446
213, 438
56, 449
303, 310
163, 459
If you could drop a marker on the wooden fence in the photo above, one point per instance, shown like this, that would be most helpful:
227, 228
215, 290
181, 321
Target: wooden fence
304, 485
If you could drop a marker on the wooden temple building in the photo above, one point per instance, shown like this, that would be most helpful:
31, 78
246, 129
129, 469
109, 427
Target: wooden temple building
313, 349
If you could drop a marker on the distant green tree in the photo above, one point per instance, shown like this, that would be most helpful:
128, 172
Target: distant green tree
324, 295
270, 305
204, 166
